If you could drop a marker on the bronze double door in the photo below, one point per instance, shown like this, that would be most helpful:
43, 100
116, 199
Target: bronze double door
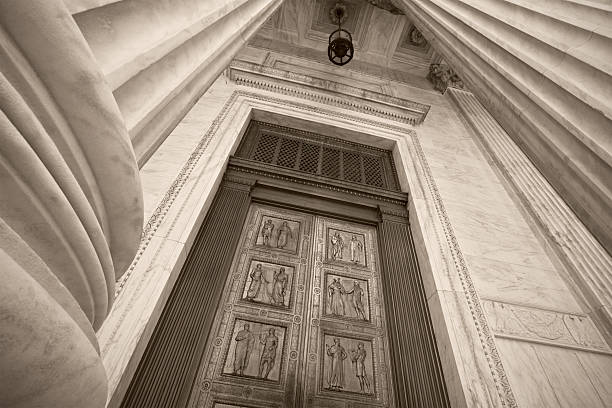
301, 319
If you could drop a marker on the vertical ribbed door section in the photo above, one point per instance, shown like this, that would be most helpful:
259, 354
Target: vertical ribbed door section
168, 367
417, 373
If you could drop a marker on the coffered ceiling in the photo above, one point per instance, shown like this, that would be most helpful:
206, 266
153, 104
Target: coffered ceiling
381, 36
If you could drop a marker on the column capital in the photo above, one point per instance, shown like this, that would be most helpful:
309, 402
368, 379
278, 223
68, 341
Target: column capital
393, 214
443, 76
239, 183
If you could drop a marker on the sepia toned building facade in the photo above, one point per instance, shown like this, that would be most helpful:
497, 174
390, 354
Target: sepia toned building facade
198, 209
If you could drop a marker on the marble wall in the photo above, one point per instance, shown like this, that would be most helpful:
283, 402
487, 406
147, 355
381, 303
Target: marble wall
513, 329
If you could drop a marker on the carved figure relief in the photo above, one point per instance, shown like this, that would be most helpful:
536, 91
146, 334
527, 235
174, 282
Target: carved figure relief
543, 325
279, 287
356, 249
284, 233
347, 297
268, 355
336, 301
255, 350
266, 231
268, 283
337, 355
245, 340
278, 233
348, 365
337, 245
358, 358
346, 246
415, 37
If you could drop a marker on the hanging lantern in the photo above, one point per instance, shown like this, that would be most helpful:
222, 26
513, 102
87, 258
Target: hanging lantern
340, 49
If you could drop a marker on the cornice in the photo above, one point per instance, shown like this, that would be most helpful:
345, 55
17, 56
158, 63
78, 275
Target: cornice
328, 92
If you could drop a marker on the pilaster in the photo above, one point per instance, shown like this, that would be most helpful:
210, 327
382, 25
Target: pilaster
543, 71
167, 370
587, 262
419, 381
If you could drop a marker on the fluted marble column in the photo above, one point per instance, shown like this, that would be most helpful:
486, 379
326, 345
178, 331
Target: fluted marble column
71, 209
160, 57
88, 89
544, 70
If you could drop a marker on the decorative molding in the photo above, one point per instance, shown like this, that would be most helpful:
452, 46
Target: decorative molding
418, 61
544, 326
238, 183
588, 263
328, 92
443, 77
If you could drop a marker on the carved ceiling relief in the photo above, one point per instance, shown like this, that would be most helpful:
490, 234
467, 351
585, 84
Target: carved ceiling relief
382, 35
355, 19
416, 38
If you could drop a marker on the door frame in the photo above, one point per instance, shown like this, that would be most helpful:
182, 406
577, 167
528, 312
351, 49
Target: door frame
468, 349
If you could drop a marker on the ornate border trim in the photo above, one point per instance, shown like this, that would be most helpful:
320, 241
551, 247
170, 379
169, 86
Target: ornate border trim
175, 188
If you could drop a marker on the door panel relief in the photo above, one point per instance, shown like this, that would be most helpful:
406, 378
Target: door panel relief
253, 359
347, 347
300, 322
